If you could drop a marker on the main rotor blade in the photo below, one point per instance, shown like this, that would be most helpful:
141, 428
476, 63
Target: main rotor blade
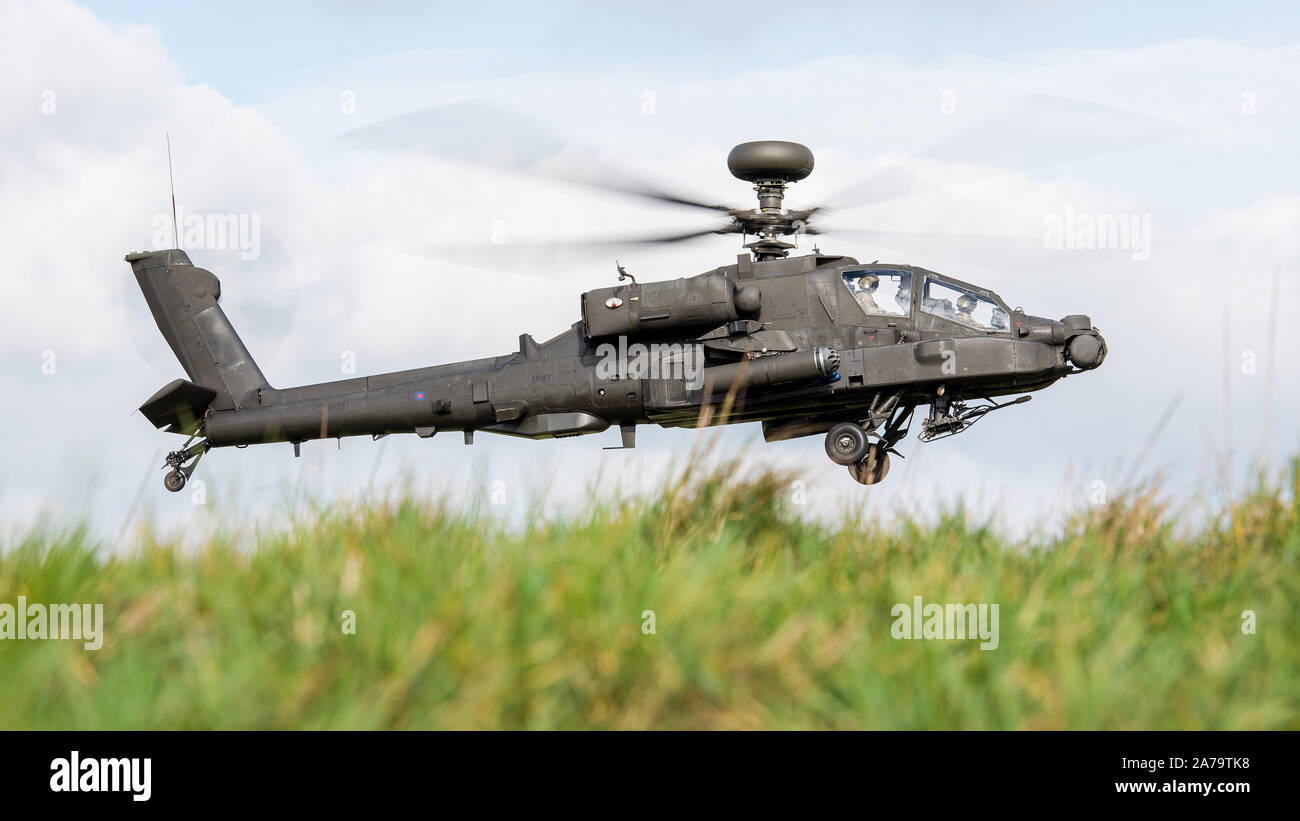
1039, 132
917, 241
492, 135
531, 257
987, 250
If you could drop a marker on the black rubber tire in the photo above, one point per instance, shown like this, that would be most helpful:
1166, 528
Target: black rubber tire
846, 443
174, 481
872, 469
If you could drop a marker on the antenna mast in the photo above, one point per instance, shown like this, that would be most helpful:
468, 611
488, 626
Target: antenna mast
171, 179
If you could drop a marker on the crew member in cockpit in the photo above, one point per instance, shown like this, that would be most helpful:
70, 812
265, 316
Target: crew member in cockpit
966, 309
865, 293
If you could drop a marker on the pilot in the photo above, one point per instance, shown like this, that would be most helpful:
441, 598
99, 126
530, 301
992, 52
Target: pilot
866, 292
966, 309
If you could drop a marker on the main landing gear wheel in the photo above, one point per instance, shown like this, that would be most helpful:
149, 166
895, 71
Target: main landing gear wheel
174, 481
847, 443
873, 468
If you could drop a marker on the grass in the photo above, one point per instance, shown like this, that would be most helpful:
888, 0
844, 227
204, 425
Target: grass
762, 620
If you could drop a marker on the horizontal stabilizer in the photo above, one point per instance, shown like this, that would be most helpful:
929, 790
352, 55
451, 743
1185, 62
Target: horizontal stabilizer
179, 406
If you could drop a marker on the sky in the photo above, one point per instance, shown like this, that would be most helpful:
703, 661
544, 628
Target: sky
983, 123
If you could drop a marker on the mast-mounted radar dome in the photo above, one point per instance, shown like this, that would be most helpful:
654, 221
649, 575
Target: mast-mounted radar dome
770, 161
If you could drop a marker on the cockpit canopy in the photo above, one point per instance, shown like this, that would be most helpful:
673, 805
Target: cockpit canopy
950, 301
890, 292
881, 292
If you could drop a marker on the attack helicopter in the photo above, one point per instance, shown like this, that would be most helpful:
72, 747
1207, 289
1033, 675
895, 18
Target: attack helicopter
805, 345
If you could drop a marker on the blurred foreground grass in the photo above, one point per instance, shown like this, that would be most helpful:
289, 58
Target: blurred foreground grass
1129, 620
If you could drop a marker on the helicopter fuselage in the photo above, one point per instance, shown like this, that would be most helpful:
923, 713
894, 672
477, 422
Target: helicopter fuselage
799, 344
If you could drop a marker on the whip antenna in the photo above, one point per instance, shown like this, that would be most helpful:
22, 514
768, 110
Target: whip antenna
171, 180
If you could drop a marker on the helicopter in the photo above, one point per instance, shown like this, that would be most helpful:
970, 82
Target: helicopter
806, 345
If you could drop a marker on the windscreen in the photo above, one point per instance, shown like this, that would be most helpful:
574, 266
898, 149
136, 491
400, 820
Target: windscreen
939, 298
881, 292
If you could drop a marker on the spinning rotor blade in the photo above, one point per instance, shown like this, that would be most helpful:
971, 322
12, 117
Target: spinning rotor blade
939, 241
1039, 132
529, 256
495, 136
989, 251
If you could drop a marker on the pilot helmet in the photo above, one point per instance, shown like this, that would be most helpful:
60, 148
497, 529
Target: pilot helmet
868, 282
966, 303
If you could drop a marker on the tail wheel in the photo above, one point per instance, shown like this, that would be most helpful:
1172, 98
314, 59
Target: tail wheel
847, 443
873, 468
174, 481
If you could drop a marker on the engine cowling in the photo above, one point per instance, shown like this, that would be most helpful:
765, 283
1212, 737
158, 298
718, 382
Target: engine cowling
667, 308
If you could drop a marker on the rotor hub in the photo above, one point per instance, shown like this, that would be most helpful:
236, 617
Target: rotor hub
770, 165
